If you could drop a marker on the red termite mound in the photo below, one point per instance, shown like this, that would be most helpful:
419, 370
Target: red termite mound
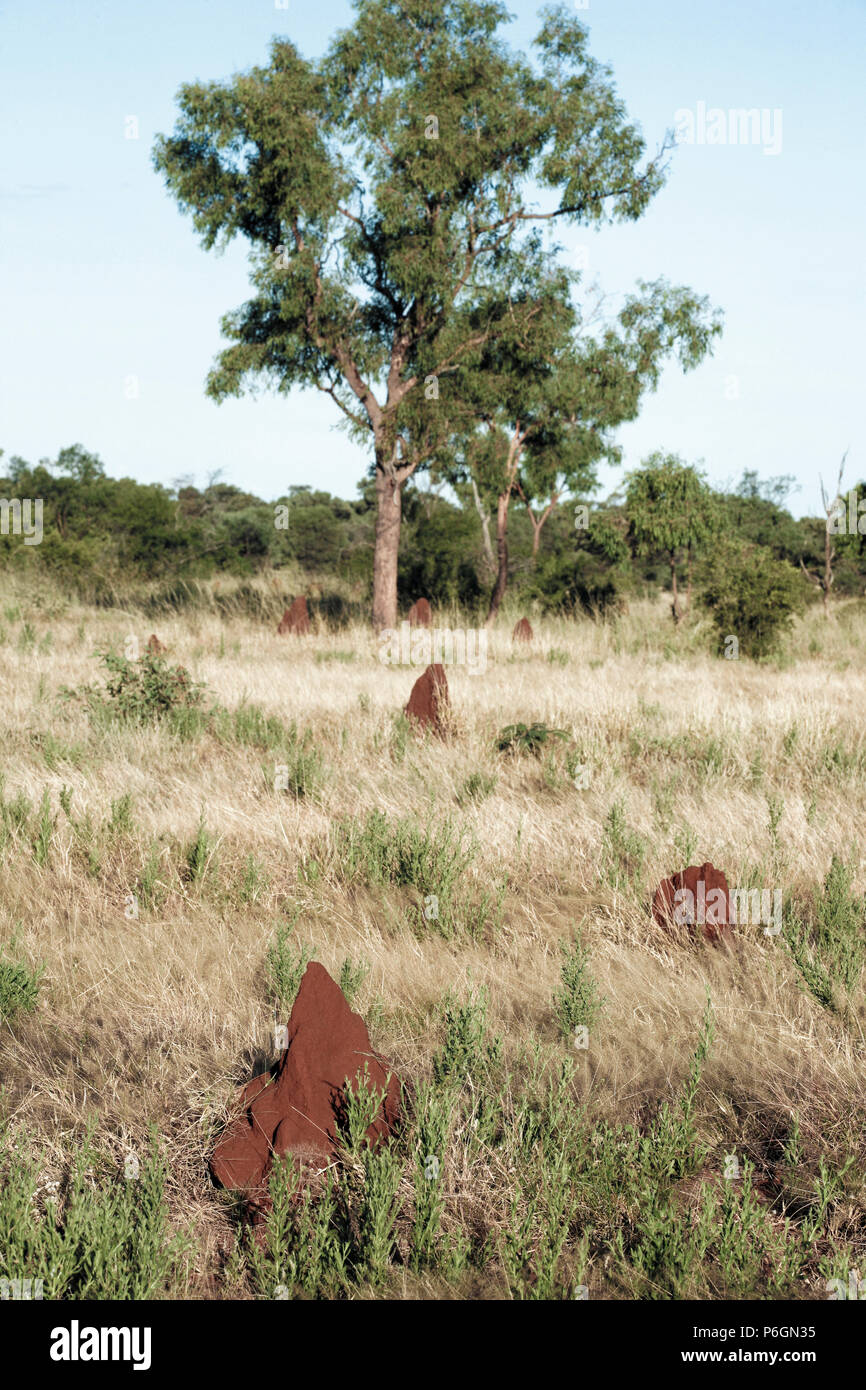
522, 631
428, 702
420, 614
294, 1109
295, 619
703, 901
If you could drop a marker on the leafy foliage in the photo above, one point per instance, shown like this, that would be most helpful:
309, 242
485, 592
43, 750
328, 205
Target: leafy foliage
527, 738
285, 965
752, 596
577, 1003
828, 943
108, 1237
145, 690
670, 510
19, 985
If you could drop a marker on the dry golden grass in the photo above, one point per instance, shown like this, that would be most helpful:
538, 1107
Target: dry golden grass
155, 1019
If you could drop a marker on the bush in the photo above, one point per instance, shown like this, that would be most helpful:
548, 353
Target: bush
830, 949
303, 771
526, 738
577, 1003
752, 596
623, 849
440, 552
285, 965
105, 1239
145, 690
468, 1051
569, 583
302, 1246
476, 787
198, 855
352, 976
19, 986
431, 859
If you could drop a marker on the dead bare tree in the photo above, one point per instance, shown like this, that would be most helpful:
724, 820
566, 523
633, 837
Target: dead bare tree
825, 582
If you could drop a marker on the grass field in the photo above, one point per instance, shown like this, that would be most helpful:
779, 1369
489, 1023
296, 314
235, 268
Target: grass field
159, 895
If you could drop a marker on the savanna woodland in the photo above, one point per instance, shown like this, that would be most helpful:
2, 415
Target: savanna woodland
594, 1100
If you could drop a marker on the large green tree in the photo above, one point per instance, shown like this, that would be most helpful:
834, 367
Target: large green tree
541, 399
670, 511
380, 189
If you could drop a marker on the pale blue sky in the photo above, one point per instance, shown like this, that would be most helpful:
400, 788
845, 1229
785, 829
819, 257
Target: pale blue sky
103, 279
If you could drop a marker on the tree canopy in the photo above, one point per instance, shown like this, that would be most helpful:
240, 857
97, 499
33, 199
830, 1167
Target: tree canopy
385, 190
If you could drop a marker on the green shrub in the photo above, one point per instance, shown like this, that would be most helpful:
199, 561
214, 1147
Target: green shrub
148, 883
623, 849
107, 1238
19, 985
752, 596
86, 835
54, 751
254, 882
250, 726
468, 1052
301, 767
120, 821
14, 814
476, 787
828, 945
306, 1245
577, 1003
378, 1211
434, 1112
432, 860
400, 731
352, 976
526, 738
345, 657
44, 831
199, 854
542, 1207
285, 964
145, 690
360, 1106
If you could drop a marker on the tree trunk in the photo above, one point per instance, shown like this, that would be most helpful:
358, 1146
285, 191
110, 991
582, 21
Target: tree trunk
388, 517
689, 583
675, 606
537, 525
485, 529
501, 556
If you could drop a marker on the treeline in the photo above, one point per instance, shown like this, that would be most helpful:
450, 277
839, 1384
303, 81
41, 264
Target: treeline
103, 536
